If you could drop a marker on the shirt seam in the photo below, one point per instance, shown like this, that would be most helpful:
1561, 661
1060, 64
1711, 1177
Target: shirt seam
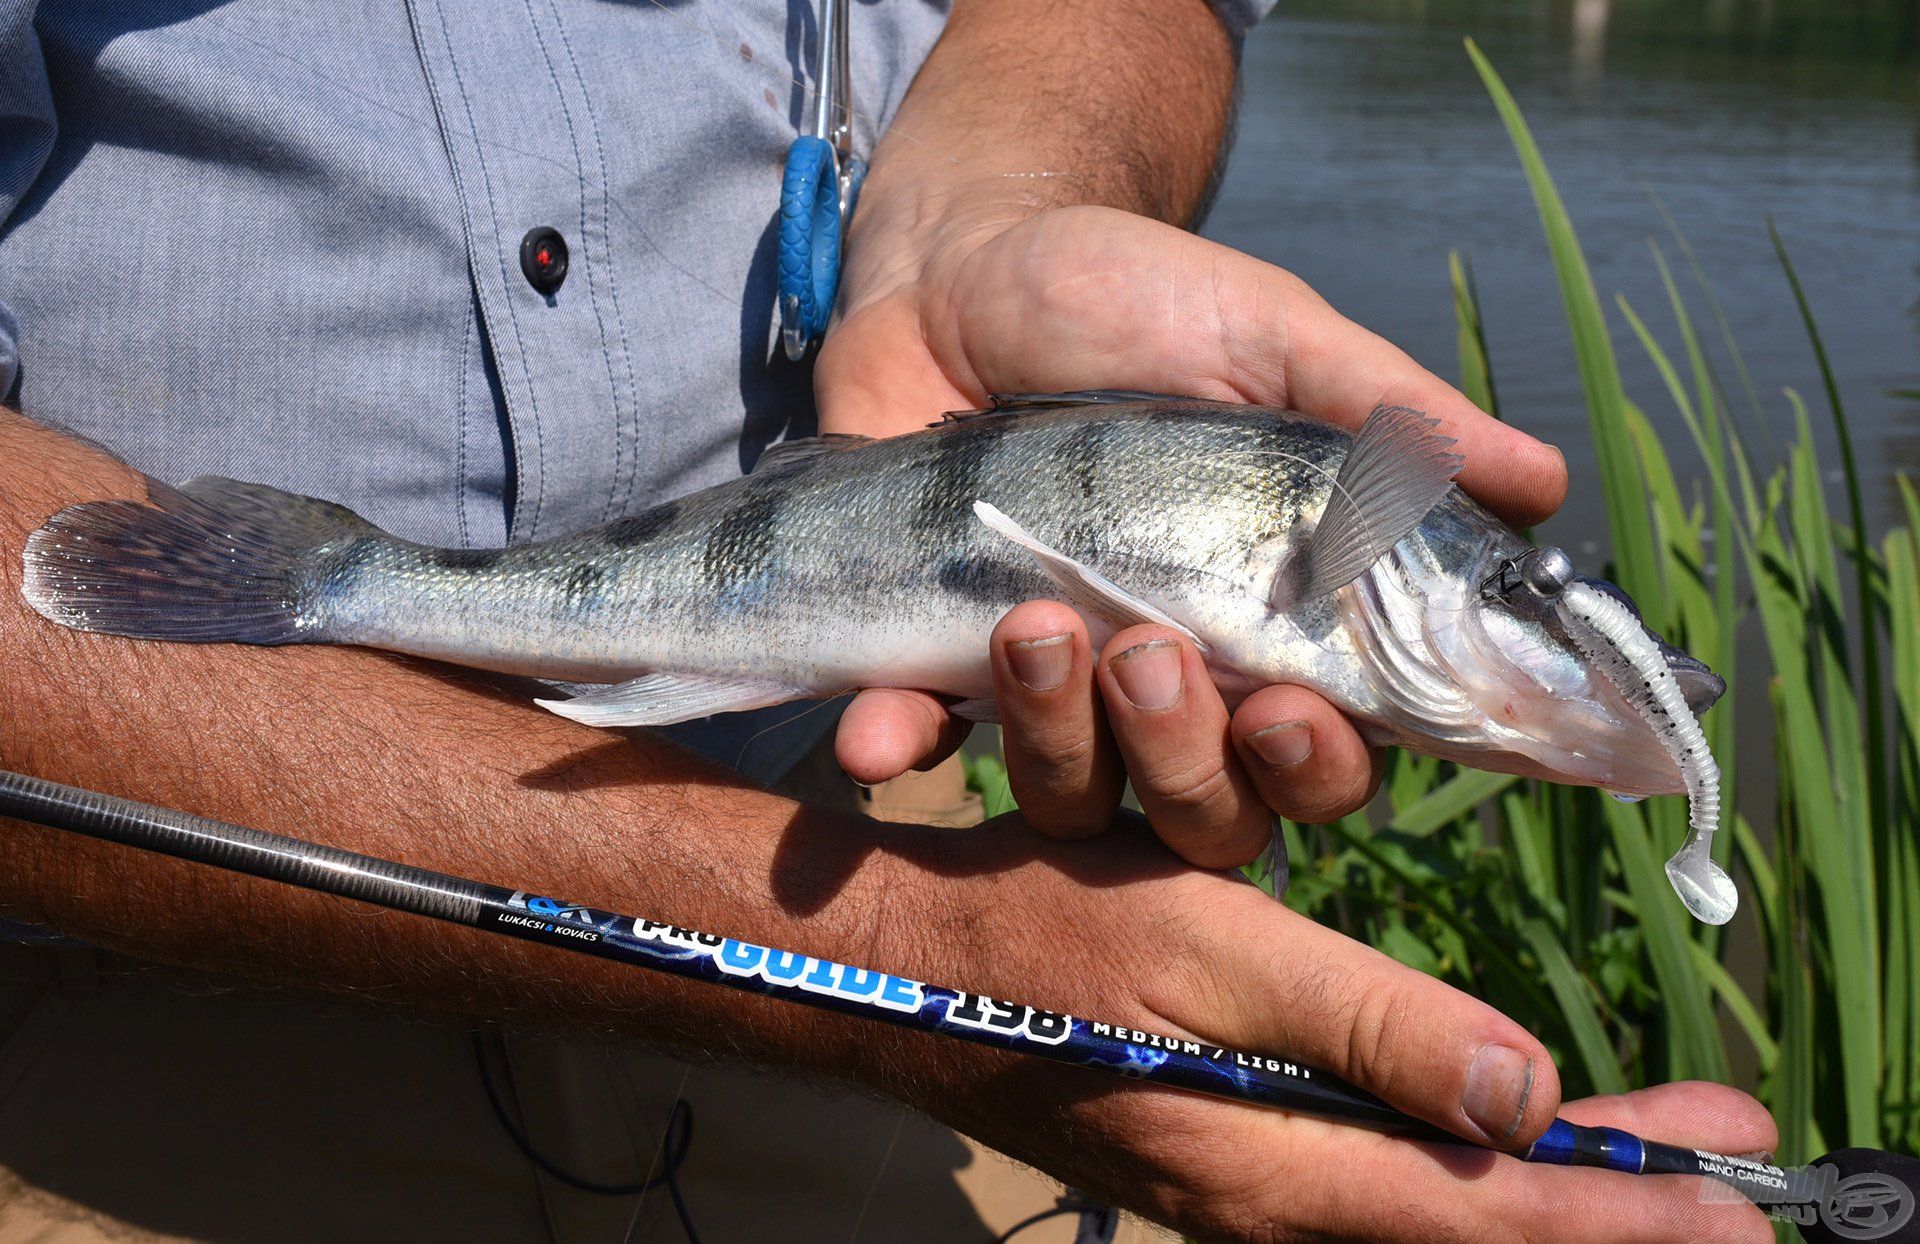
590, 267
628, 436
469, 325
513, 320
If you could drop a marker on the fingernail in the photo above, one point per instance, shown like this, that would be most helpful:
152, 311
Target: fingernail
1286, 744
1499, 1082
1762, 1156
1041, 664
1149, 674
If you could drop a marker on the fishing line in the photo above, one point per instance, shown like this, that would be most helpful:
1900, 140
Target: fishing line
879, 1175
740, 757
659, 1154
676, 1141
1194, 1066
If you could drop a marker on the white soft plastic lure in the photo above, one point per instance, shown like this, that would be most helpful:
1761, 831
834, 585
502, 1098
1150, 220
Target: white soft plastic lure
1613, 638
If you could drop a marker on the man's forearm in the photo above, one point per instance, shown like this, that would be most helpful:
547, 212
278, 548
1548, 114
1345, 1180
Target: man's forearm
1121, 103
1030, 104
393, 758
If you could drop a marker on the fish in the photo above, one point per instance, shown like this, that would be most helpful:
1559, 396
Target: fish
1287, 550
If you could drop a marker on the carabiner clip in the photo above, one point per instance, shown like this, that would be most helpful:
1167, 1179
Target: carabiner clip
817, 194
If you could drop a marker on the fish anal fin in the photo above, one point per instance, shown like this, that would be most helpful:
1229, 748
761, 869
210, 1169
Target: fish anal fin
1082, 585
984, 710
664, 699
1399, 468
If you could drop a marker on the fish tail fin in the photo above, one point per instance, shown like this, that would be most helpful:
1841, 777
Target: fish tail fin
214, 561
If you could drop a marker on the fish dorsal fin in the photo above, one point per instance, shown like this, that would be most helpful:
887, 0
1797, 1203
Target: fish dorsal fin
666, 698
1082, 585
1082, 397
788, 453
1399, 468
1027, 403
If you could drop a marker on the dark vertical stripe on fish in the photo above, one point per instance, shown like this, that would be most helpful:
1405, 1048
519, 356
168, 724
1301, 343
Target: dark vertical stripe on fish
580, 586
642, 528
994, 579
1300, 478
1083, 456
740, 549
954, 477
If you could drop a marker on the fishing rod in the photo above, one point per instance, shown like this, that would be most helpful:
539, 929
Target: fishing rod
1118, 1048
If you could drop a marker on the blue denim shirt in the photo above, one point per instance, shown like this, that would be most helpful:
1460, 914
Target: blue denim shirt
280, 240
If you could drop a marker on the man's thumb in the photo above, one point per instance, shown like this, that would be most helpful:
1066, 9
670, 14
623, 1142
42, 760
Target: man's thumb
1299, 990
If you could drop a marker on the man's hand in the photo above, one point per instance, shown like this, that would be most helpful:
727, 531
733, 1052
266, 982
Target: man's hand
1088, 297
1010, 239
983, 261
1124, 936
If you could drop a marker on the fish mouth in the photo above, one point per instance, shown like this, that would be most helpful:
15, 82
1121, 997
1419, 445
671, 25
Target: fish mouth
1533, 705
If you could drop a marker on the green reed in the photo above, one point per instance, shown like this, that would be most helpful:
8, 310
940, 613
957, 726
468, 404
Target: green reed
1551, 902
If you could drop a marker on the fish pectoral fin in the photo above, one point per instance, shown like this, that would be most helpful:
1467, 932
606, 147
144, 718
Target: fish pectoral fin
1083, 586
666, 698
1399, 468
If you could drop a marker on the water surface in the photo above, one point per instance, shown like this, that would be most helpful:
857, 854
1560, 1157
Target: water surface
1368, 147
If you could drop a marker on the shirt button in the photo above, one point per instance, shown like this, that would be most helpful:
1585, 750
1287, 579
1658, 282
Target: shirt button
543, 258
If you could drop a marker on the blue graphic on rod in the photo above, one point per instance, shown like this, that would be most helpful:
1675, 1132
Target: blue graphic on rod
1179, 1062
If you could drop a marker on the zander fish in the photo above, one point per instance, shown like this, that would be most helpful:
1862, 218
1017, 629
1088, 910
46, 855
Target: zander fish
1288, 550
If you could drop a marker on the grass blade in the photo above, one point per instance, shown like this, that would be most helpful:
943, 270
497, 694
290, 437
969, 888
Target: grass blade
1577, 1001
1738, 1005
1476, 370
1822, 844
1719, 314
1694, 1046
1902, 1001
1862, 550
1632, 528
1450, 800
